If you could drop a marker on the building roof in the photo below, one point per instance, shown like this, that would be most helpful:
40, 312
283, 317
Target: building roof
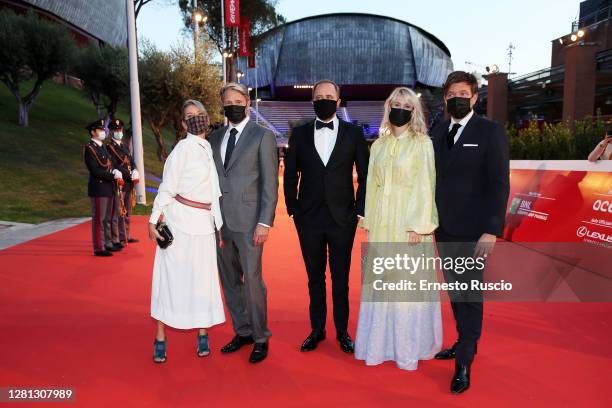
351, 49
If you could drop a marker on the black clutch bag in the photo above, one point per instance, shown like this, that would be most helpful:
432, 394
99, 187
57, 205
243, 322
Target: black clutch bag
165, 232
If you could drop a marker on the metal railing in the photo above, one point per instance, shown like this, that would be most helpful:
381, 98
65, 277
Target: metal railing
592, 18
537, 75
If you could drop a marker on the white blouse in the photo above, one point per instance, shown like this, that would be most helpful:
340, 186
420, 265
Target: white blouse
190, 172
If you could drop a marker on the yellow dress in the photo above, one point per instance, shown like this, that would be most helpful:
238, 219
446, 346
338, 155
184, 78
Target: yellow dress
400, 197
400, 190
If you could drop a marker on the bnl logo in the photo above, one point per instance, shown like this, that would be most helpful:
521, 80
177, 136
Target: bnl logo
519, 204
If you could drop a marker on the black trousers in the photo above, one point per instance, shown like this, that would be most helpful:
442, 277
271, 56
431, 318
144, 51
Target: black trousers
467, 305
317, 240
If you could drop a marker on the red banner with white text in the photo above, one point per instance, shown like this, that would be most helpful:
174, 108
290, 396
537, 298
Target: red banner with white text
232, 13
244, 36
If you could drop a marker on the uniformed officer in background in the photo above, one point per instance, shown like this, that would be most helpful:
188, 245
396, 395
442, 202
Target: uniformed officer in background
102, 177
123, 161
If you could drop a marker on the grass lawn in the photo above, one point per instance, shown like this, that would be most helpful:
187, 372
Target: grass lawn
42, 174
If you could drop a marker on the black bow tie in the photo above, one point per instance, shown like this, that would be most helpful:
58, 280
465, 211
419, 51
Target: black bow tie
329, 125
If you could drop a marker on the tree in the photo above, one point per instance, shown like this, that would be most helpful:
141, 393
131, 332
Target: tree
138, 5
158, 103
104, 71
167, 79
31, 48
261, 12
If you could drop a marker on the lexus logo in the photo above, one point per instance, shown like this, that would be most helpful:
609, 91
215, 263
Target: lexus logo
583, 231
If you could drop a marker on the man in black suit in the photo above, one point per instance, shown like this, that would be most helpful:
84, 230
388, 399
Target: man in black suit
325, 210
472, 187
100, 188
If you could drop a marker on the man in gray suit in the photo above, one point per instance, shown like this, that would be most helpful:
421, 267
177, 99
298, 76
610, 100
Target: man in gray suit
246, 158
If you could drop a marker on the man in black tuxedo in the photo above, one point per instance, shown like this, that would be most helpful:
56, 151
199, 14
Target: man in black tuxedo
472, 187
325, 210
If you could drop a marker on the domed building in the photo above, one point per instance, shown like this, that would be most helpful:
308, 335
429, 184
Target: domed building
366, 54
91, 21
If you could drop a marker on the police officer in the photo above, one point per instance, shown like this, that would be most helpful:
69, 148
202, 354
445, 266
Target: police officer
102, 177
122, 202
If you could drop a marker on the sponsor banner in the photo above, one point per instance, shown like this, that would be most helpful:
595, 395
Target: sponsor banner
560, 206
244, 35
232, 13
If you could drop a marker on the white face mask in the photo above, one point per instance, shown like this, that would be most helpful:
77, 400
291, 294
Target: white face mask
101, 135
118, 135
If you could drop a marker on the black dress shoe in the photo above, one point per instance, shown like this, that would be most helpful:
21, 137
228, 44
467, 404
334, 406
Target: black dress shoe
113, 248
103, 253
312, 341
461, 379
446, 354
118, 245
449, 353
236, 343
132, 240
346, 343
259, 353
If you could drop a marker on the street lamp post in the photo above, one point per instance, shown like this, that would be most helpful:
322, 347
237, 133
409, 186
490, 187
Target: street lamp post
256, 86
197, 18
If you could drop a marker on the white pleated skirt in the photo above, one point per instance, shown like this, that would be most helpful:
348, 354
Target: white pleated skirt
185, 292
404, 332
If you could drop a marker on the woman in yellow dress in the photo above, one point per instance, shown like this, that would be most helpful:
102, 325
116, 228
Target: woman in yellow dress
400, 217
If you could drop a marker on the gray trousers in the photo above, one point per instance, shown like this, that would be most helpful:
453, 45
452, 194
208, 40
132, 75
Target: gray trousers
243, 286
120, 226
101, 214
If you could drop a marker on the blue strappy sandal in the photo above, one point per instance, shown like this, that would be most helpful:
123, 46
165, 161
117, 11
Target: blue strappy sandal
159, 351
203, 347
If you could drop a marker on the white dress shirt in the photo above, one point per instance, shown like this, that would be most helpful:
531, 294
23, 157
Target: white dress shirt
325, 140
189, 171
462, 122
239, 127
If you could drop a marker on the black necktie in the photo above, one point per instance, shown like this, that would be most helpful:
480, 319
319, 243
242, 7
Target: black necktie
329, 125
450, 137
231, 143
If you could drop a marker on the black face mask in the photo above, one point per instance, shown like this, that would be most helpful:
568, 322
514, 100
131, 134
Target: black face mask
399, 117
324, 108
458, 107
235, 113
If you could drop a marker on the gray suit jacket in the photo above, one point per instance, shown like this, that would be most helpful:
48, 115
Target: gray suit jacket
250, 183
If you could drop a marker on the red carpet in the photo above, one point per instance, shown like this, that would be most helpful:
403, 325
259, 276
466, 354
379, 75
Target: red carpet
69, 319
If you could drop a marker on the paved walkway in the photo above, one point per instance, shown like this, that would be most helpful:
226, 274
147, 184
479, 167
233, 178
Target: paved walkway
14, 233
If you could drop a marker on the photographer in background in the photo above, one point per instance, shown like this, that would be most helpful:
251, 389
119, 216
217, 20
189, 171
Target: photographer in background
603, 150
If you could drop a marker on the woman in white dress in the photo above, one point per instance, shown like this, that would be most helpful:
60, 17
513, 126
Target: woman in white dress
185, 292
400, 215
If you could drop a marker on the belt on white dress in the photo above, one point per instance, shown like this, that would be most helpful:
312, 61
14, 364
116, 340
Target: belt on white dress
191, 203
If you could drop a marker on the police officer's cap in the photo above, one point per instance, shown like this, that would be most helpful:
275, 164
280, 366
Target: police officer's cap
115, 124
98, 124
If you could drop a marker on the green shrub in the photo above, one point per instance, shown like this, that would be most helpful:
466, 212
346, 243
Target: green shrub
559, 141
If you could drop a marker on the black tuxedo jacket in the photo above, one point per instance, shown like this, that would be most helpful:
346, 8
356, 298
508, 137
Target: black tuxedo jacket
100, 178
321, 185
472, 178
